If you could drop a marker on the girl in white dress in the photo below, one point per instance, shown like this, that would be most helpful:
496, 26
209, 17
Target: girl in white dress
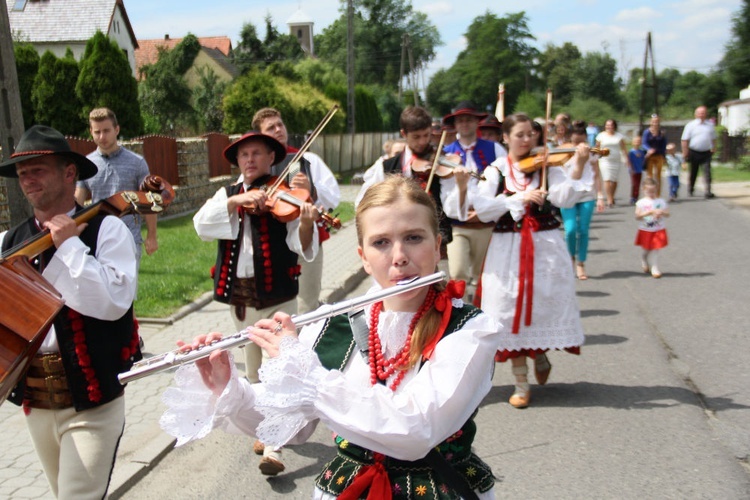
427, 366
527, 282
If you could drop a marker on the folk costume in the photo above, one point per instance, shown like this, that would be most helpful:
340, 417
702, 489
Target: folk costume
400, 164
527, 283
382, 440
325, 192
467, 249
256, 268
71, 396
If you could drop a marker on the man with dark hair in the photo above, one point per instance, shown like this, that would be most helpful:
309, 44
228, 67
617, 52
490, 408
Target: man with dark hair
73, 401
416, 129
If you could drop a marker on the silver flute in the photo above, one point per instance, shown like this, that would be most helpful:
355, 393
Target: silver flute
163, 362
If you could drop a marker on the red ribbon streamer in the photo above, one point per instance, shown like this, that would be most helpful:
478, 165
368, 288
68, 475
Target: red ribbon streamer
453, 290
525, 271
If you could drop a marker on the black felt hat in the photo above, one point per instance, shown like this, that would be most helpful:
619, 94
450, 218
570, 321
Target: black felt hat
491, 122
230, 152
41, 140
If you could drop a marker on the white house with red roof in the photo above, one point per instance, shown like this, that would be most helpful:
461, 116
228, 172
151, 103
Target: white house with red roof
55, 25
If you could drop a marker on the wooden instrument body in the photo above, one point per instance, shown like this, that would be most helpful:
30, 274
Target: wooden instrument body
29, 303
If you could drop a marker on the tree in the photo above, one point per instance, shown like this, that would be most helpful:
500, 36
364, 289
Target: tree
207, 97
497, 50
533, 104
27, 66
597, 79
56, 78
559, 68
736, 60
164, 94
379, 29
249, 51
106, 80
278, 47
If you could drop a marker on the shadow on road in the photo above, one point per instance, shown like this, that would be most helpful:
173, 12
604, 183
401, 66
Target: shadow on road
589, 394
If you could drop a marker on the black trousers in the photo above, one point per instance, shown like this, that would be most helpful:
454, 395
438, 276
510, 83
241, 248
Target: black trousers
696, 159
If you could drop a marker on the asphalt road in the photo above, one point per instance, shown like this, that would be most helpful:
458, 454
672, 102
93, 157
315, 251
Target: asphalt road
656, 406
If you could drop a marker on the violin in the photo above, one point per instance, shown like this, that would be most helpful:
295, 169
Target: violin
445, 164
155, 195
556, 157
284, 203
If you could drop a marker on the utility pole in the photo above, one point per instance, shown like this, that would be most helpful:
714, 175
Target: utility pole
401, 71
654, 84
413, 77
14, 208
350, 121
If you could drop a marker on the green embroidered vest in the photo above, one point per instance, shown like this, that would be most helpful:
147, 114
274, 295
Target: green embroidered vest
334, 346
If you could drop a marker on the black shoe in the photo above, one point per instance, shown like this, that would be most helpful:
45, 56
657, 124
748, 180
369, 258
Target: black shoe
692, 194
710, 195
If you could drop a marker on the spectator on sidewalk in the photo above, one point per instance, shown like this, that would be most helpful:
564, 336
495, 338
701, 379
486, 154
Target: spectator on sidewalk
655, 143
698, 146
119, 170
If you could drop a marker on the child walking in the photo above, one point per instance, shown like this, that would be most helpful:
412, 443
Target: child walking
674, 164
652, 235
637, 157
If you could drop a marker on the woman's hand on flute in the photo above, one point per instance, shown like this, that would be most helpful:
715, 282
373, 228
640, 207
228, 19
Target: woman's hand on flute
268, 333
215, 369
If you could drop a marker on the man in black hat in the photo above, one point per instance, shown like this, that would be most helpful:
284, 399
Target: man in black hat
471, 238
71, 395
256, 269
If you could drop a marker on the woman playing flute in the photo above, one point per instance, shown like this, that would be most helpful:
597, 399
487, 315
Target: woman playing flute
427, 366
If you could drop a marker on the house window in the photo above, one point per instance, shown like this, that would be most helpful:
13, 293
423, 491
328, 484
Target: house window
299, 33
19, 5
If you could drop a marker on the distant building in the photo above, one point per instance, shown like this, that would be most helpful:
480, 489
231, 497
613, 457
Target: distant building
301, 27
214, 53
55, 25
735, 115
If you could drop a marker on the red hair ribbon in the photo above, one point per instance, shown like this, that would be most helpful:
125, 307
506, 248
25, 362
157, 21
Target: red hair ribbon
453, 290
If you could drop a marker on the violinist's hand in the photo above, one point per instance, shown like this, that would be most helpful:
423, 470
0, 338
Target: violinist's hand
462, 176
215, 370
300, 181
61, 227
308, 214
535, 196
471, 216
255, 198
268, 333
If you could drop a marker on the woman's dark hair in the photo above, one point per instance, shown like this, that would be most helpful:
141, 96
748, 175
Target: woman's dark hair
579, 127
511, 121
614, 123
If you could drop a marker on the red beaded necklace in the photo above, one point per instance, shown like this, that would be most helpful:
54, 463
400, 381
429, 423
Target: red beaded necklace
381, 368
519, 186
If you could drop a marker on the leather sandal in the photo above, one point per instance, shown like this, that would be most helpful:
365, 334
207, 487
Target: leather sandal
269, 466
258, 447
581, 272
542, 369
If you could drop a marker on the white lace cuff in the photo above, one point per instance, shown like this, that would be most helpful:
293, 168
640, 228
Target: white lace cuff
193, 410
288, 402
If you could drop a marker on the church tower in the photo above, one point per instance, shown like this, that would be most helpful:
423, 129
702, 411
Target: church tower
301, 27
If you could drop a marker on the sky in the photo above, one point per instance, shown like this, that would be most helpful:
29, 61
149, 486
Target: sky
686, 34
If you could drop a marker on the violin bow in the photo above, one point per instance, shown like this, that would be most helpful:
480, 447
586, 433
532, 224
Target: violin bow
435, 162
543, 183
302, 150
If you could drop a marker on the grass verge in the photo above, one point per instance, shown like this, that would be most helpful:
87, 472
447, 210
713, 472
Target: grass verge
722, 173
